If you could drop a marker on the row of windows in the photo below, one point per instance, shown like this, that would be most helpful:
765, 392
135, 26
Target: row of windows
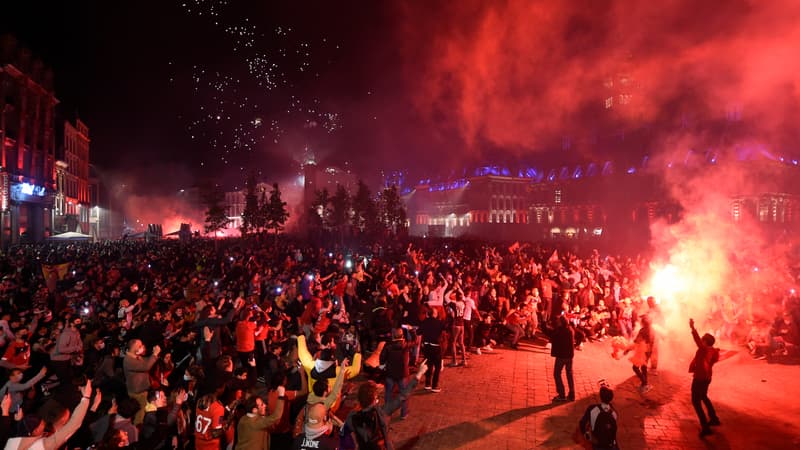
775, 210
507, 188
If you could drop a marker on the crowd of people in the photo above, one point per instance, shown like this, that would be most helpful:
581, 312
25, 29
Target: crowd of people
253, 342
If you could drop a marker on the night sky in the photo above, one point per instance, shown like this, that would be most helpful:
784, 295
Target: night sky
176, 91
205, 88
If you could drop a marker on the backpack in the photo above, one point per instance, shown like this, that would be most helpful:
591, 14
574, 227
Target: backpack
368, 430
604, 433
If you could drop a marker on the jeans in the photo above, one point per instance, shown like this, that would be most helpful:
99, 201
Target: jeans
561, 363
389, 388
517, 333
699, 397
433, 353
641, 372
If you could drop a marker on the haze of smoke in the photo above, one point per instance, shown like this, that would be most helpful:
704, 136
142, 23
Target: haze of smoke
521, 73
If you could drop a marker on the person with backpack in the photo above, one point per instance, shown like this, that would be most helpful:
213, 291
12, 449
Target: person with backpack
370, 424
599, 422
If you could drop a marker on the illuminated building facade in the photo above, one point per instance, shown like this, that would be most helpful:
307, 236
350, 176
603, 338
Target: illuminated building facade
593, 202
27, 144
72, 208
235, 203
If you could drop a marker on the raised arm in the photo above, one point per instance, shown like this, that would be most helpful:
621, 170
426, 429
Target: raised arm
19, 387
58, 438
337, 387
695, 335
396, 402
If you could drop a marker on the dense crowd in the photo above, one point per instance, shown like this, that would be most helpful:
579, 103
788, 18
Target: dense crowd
252, 343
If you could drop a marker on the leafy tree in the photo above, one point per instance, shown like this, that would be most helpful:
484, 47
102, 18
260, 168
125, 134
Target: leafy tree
250, 215
263, 211
276, 210
319, 216
340, 214
216, 217
365, 211
392, 212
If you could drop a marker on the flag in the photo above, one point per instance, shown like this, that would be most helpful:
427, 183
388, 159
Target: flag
57, 270
553, 258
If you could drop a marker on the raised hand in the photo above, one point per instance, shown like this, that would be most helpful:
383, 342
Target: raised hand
5, 404
86, 390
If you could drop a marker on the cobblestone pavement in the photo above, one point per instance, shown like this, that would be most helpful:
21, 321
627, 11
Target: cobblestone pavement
503, 401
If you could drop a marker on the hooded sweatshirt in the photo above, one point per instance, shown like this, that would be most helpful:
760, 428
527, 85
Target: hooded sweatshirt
704, 359
322, 438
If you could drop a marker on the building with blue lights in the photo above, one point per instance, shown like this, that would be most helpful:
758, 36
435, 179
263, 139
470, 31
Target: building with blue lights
27, 145
595, 201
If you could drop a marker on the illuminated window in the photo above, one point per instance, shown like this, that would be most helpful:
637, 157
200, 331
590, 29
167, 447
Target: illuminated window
609, 102
736, 211
558, 196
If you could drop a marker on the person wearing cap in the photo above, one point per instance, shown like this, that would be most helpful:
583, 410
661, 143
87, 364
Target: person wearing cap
320, 430
701, 368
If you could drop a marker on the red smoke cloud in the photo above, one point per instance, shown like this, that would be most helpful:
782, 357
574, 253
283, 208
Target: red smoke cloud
168, 211
522, 73
716, 76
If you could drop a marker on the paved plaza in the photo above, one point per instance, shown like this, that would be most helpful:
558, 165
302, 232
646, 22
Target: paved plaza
503, 401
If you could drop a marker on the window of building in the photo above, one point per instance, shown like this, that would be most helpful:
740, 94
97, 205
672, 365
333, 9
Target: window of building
557, 199
609, 102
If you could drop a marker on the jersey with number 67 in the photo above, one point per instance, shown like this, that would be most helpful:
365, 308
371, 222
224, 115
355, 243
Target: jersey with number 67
206, 422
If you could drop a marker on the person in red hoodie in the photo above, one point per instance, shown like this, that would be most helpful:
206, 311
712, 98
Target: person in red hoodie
704, 359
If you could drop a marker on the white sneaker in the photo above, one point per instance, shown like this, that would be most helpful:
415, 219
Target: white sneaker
488, 349
477, 351
548, 346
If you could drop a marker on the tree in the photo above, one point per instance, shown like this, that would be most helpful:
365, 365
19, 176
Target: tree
365, 212
250, 215
392, 212
216, 217
319, 215
263, 211
340, 216
276, 210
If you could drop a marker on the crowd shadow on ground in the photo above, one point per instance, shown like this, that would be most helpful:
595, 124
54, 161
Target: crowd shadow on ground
468, 431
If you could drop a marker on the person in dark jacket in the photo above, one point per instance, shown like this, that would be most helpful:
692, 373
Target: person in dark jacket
431, 331
562, 340
159, 427
210, 326
701, 367
377, 436
397, 354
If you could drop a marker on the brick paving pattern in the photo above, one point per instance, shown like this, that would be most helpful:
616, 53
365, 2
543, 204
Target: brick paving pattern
503, 401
